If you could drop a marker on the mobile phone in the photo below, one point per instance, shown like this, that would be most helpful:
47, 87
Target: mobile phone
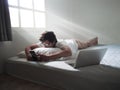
34, 56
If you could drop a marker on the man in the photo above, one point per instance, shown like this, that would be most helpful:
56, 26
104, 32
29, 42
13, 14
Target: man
48, 39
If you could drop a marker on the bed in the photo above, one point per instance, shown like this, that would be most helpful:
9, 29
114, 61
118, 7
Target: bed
58, 74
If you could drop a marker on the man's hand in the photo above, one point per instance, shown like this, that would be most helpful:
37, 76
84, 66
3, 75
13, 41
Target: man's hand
42, 57
29, 57
27, 49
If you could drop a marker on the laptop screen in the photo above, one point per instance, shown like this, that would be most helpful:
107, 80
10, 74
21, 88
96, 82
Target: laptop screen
89, 57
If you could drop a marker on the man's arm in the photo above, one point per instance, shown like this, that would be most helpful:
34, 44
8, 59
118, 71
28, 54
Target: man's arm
66, 51
28, 48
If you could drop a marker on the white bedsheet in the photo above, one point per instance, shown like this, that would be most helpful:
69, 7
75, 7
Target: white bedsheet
112, 56
61, 65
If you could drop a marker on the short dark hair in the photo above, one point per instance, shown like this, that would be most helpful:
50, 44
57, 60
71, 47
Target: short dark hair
50, 36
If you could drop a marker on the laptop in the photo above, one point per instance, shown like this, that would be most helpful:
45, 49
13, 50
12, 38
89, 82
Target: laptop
89, 57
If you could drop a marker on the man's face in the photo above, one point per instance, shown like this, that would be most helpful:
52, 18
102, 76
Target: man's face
48, 44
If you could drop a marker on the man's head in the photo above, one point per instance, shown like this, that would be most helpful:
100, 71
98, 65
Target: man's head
48, 38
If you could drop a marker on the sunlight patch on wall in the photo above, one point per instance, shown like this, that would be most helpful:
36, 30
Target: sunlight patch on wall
59, 24
68, 29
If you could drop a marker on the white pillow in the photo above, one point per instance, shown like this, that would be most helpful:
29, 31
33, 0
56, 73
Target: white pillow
21, 54
45, 51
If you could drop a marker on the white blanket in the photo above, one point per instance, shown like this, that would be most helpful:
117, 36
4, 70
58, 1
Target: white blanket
61, 65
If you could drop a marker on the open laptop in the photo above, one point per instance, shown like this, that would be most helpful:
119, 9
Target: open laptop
89, 57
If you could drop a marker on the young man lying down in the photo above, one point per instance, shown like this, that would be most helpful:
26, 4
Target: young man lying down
48, 40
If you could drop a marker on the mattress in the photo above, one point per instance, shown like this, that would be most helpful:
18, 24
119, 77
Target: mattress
95, 77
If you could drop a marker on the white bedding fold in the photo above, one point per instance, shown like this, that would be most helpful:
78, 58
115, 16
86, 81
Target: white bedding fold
61, 65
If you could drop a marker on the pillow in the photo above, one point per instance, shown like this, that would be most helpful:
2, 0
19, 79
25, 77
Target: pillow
45, 51
21, 54
49, 51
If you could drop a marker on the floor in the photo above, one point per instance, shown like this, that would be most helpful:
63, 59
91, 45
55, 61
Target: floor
8, 82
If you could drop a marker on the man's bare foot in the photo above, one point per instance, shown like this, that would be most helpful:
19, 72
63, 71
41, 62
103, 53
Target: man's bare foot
93, 42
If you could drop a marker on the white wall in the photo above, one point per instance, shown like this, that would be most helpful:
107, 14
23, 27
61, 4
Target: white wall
85, 19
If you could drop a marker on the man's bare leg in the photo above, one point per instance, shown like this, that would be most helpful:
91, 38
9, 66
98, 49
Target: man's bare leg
91, 42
